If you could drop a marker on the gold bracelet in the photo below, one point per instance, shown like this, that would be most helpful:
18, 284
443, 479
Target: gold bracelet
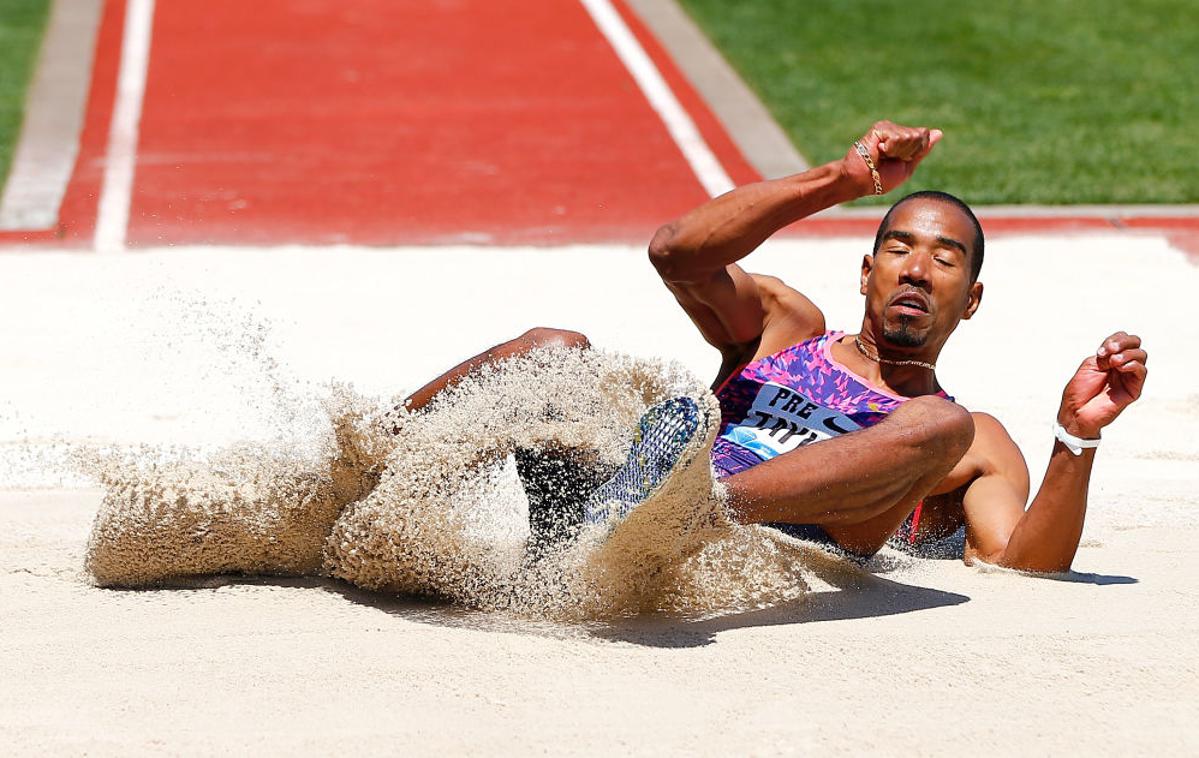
862, 151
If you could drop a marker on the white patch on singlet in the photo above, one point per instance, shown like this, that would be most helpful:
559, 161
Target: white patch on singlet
782, 419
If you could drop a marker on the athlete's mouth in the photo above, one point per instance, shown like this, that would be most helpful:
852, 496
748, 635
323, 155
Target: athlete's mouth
912, 301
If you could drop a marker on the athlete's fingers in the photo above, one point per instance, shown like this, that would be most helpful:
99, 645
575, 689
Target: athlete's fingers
1119, 344
1107, 347
1132, 367
1134, 373
882, 137
905, 145
934, 136
1130, 340
1118, 341
1124, 341
1131, 355
920, 138
922, 147
890, 138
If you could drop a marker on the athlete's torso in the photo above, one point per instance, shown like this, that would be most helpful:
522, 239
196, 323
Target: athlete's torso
798, 396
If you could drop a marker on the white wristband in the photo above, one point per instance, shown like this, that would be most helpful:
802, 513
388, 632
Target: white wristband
1074, 444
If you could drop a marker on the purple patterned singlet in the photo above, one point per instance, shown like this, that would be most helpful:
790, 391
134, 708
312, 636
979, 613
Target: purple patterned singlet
795, 397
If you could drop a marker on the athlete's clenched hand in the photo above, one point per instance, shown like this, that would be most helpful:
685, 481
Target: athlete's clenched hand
896, 151
1105, 384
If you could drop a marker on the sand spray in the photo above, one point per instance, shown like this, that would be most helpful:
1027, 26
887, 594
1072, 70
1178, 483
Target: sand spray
435, 509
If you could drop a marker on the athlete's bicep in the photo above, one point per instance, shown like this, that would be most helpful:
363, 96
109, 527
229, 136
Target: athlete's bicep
994, 501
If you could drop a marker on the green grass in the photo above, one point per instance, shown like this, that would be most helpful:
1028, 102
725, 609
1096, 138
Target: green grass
1045, 101
21, 25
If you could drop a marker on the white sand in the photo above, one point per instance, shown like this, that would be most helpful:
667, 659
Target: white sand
919, 657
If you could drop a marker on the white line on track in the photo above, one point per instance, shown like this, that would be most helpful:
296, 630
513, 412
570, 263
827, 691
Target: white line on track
703, 162
112, 220
746, 120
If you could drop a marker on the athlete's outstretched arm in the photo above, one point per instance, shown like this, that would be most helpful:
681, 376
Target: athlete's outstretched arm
696, 255
1046, 536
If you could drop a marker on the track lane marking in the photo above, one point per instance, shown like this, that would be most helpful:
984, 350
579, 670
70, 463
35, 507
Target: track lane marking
682, 129
55, 103
741, 114
112, 221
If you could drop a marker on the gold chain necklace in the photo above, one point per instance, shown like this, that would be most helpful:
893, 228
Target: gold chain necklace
857, 340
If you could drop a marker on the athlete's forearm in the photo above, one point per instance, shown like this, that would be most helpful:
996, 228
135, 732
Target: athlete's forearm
1047, 536
727, 228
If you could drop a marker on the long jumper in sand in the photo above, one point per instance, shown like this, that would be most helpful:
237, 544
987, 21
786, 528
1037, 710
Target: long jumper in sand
897, 457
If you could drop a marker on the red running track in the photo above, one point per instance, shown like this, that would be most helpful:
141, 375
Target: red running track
384, 122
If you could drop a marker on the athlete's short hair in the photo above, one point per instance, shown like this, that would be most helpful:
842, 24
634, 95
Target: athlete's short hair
976, 253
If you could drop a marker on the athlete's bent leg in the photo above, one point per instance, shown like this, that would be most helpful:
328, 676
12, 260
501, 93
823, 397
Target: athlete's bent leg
530, 340
555, 481
859, 487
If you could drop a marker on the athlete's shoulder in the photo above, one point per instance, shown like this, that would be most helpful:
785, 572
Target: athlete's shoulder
993, 448
787, 312
993, 453
775, 288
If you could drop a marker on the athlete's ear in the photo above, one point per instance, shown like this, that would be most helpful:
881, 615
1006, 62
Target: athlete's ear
973, 299
867, 267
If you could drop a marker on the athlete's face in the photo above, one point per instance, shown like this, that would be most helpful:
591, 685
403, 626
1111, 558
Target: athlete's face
917, 284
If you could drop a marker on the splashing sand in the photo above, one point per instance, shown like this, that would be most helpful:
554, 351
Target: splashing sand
254, 508
436, 509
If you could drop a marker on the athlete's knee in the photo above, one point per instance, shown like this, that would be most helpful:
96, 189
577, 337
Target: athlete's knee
543, 336
939, 427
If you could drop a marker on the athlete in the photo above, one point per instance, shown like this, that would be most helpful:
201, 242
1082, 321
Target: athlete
849, 439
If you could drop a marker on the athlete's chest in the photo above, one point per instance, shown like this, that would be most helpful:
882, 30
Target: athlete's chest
777, 405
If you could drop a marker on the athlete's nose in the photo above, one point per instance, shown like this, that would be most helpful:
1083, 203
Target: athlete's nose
916, 266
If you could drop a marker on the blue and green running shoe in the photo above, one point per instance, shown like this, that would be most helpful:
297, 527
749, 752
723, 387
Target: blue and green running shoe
662, 435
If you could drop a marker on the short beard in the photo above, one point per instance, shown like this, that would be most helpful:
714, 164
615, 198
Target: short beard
903, 335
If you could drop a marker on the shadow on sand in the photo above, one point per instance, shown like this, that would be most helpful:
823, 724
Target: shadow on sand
855, 594
1101, 580
845, 591
861, 596
1075, 577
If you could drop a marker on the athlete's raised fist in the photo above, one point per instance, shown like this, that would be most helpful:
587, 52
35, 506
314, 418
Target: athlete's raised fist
895, 150
1105, 384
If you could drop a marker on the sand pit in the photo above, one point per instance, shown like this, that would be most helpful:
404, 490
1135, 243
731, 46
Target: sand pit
908, 655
